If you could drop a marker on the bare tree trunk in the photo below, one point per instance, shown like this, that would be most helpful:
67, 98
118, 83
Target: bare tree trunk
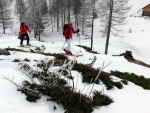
57, 19
92, 26
83, 17
34, 26
34, 33
51, 14
3, 21
64, 14
109, 26
19, 8
17, 5
39, 33
62, 18
76, 21
52, 22
69, 11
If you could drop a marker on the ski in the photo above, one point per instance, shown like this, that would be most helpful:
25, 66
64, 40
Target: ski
73, 55
30, 46
78, 55
24, 46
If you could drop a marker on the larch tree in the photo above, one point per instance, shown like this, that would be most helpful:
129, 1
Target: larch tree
21, 9
38, 16
113, 14
5, 19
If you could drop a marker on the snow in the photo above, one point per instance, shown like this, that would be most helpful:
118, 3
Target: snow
130, 99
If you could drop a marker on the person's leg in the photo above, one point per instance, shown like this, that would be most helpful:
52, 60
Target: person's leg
27, 36
68, 48
21, 41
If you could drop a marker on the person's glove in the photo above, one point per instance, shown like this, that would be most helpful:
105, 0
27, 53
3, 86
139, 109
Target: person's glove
78, 30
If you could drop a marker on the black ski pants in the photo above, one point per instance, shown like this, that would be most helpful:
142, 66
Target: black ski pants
22, 37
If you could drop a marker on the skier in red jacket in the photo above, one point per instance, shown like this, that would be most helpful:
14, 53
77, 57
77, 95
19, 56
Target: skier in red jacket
23, 31
68, 35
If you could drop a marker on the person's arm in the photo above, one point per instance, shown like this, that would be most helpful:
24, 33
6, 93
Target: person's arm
74, 31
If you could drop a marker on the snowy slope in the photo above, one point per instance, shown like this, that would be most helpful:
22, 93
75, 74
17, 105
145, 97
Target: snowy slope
130, 99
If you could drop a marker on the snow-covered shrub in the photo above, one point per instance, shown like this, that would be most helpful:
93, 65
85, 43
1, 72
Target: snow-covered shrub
89, 74
43, 81
48, 80
31, 91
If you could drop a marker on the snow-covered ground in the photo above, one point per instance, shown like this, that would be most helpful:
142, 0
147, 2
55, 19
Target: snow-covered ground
130, 99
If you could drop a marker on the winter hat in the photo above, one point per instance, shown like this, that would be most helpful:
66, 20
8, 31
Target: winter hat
22, 23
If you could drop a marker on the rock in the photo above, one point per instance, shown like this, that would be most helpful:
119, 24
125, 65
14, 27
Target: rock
4, 52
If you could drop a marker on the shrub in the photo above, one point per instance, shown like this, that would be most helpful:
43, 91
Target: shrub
125, 82
60, 56
88, 49
89, 74
56, 89
100, 100
118, 85
31, 92
138, 80
27, 60
105, 78
16, 60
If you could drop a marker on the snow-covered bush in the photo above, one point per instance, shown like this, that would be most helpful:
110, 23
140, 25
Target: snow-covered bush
49, 82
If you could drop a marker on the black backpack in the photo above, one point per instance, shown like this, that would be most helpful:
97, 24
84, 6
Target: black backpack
64, 28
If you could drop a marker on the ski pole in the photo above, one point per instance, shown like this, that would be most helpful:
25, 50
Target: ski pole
30, 35
79, 41
63, 45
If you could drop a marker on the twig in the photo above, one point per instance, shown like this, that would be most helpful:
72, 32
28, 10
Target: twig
100, 70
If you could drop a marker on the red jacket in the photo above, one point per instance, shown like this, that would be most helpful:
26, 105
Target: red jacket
68, 31
24, 29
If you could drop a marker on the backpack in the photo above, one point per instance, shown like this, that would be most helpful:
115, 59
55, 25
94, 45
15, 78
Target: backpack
64, 28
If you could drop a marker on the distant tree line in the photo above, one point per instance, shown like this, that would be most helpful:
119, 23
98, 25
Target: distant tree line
55, 13
5, 19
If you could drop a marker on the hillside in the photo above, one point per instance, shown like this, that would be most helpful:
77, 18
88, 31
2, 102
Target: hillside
131, 98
